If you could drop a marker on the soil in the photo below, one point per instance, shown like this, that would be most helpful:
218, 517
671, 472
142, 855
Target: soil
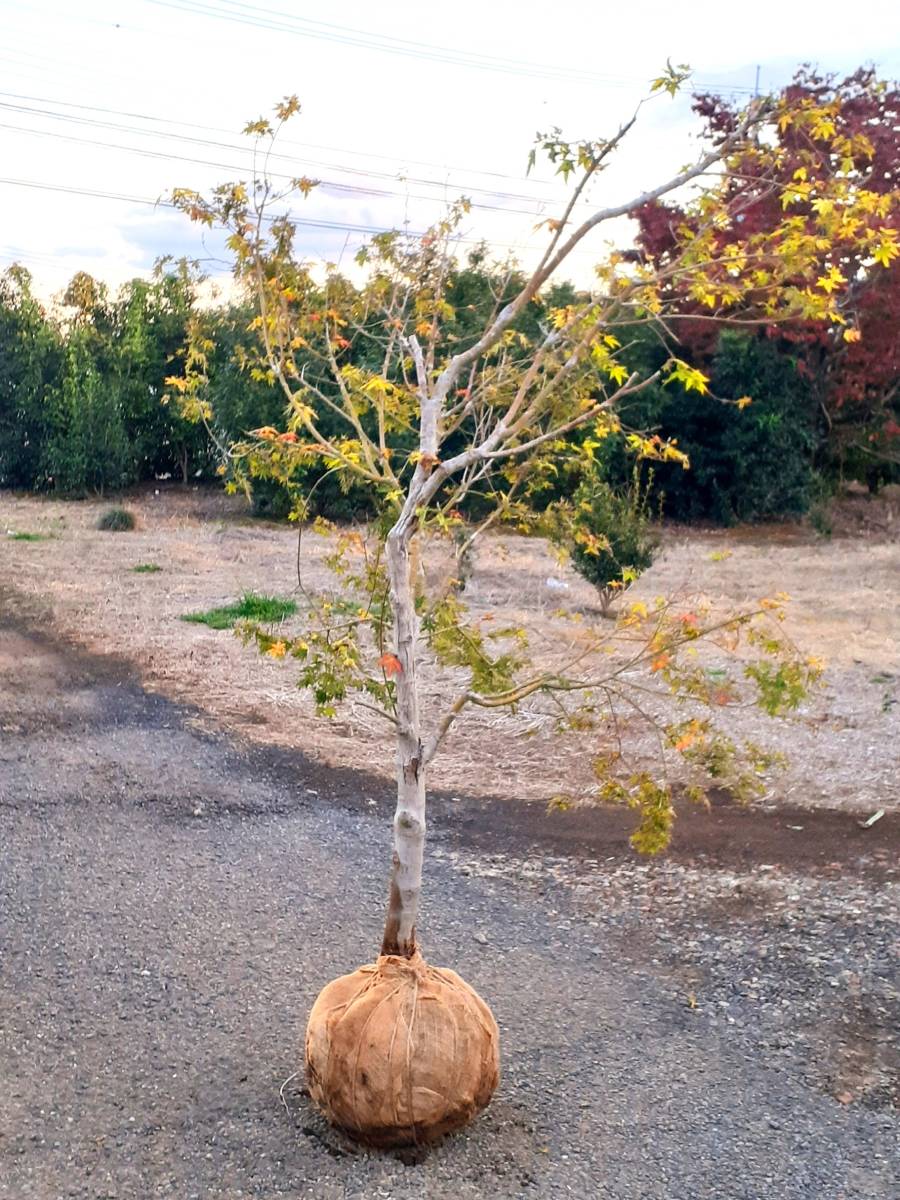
843, 609
723, 834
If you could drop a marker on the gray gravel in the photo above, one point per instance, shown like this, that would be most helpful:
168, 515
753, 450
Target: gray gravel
169, 910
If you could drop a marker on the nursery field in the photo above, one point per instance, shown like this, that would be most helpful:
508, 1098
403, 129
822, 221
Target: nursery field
181, 870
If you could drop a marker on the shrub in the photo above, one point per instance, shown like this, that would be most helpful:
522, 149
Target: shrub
820, 520
270, 501
608, 535
116, 520
747, 464
146, 569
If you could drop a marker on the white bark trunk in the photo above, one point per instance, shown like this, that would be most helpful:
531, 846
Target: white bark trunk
409, 818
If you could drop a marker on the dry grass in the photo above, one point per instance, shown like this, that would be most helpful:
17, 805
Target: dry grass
841, 745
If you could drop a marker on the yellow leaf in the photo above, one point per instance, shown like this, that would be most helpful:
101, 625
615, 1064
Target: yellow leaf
830, 282
744, 401
885, 253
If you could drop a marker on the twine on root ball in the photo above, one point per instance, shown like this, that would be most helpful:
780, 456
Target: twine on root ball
400, 1053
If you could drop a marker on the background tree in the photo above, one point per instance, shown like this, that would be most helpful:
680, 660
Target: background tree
87, 448
425, 423
30, 357
147, 327
844, 128
81, 390
747, 462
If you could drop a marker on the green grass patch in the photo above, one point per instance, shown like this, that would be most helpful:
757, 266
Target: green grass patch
250, 607
116, 520
147, 569
30, 537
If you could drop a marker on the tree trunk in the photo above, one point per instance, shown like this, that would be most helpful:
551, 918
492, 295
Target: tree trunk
409, 818
607, 599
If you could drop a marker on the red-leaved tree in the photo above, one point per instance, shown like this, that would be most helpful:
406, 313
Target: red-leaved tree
854, 367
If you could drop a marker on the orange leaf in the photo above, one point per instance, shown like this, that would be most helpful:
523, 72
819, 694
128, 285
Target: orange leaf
391, 665
661, 662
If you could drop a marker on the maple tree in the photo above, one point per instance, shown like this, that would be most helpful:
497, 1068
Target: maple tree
428, 414
846, 129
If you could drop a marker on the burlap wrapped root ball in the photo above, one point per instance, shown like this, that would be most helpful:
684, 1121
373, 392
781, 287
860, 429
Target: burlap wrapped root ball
400, 1053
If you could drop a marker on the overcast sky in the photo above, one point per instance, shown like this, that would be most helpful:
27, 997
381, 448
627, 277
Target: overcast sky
405, 104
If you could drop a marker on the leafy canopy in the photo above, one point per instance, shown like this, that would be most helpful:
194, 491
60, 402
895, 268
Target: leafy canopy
385, 383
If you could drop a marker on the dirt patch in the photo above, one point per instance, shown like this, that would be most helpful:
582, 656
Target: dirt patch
862, 1063
844, 610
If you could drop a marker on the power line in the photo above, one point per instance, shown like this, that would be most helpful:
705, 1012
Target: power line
70, 118
352, 189
100, 194
417, 162
304, 222
389, 42
238, 11
253, 15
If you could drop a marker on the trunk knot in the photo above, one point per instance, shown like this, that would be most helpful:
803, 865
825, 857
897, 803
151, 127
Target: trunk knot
409, 822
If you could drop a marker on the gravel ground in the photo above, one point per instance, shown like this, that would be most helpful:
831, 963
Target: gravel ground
171, 902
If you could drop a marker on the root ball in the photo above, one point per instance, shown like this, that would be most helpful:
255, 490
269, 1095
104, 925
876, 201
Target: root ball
400, 1053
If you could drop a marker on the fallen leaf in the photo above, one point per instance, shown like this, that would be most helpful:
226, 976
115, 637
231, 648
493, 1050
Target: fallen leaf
870, 821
